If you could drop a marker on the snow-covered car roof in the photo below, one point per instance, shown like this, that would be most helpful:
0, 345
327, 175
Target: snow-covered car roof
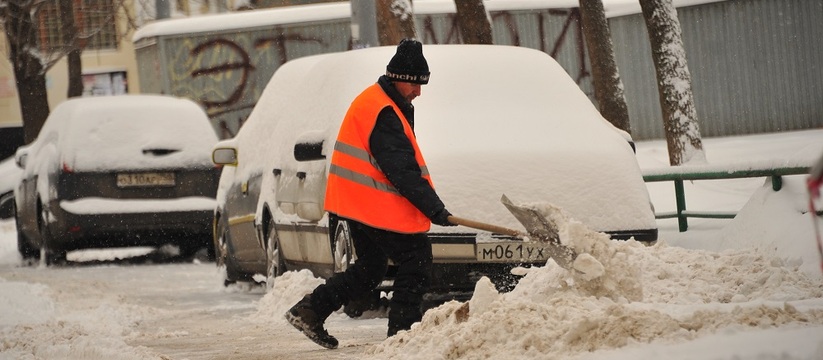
125, 127
493, 120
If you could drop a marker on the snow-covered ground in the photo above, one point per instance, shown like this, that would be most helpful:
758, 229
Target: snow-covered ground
750, 288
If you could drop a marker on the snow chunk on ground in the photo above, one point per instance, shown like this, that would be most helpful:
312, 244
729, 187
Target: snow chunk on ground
288, 289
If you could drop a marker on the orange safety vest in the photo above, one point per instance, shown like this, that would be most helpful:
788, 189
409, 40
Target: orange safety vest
357, 189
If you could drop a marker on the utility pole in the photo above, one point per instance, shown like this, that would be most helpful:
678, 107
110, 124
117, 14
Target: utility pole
163, 11
363, 24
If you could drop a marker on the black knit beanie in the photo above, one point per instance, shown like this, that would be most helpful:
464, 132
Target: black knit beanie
408, 64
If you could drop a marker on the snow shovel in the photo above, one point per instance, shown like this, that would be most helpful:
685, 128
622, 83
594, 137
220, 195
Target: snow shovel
538, 226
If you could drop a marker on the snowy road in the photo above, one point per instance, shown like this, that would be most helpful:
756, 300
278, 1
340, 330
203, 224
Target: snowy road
175, 311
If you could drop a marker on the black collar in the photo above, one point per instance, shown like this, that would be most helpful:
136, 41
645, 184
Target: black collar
406, 107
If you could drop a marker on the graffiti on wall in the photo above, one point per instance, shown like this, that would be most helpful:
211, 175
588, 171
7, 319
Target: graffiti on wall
227, 72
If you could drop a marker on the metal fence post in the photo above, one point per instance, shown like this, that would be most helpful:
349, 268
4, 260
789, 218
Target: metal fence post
777, 182
680, 197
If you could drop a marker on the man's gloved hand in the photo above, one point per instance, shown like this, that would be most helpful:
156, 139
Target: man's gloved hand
442, 218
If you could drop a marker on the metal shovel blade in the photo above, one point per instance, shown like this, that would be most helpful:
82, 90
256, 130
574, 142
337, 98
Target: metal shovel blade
542, 229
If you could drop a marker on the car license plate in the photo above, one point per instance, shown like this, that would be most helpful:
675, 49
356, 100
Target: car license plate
512, 251
145, 179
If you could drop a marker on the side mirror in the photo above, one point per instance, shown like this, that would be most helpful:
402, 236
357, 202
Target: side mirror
20, 158
224, 156
309, 151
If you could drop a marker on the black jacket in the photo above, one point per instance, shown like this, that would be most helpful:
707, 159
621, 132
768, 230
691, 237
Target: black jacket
395, 155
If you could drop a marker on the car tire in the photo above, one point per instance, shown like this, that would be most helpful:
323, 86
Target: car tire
7, 205
343, 247
190, 246
49, 253
274, 259
211, 254
223, 260
28, 252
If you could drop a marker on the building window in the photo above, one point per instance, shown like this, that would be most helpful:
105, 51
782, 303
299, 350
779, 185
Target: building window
94, 19
105, 83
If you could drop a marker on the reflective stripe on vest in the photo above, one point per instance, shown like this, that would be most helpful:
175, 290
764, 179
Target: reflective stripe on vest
357, 189
365, 156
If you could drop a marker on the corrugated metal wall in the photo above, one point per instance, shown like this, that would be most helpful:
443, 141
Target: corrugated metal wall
554, 31
756, 66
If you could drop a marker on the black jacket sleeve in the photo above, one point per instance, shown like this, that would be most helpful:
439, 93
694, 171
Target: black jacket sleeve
395, 156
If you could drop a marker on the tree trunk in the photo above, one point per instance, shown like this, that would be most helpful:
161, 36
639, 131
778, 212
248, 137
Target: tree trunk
29, 72
75, 74
608, 88
475, 26
673, 82
70, 42
395, 21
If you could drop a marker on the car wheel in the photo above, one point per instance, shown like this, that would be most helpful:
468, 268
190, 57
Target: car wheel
49, 253
274, 259
218, 247
211, 253
223, 260
190, 247
27, 251
7, 205
343, 251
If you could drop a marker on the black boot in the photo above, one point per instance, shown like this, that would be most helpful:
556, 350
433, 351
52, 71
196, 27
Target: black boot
393, 330
303, 317
402, 318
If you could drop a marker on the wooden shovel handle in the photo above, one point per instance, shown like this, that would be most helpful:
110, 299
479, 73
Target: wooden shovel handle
486, 227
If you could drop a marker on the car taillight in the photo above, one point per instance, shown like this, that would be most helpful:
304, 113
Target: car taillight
67, 169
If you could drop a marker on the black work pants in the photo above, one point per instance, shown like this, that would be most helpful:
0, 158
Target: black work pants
412, 253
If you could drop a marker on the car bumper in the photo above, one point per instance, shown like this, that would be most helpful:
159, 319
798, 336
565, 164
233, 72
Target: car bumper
117, 223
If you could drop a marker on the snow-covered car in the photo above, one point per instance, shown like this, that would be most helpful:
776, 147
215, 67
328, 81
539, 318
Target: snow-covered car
493, 120
117, 171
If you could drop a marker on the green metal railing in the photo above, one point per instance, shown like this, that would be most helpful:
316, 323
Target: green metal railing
678, 176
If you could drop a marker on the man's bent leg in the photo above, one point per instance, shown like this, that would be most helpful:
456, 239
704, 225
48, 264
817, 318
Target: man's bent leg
357, 281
